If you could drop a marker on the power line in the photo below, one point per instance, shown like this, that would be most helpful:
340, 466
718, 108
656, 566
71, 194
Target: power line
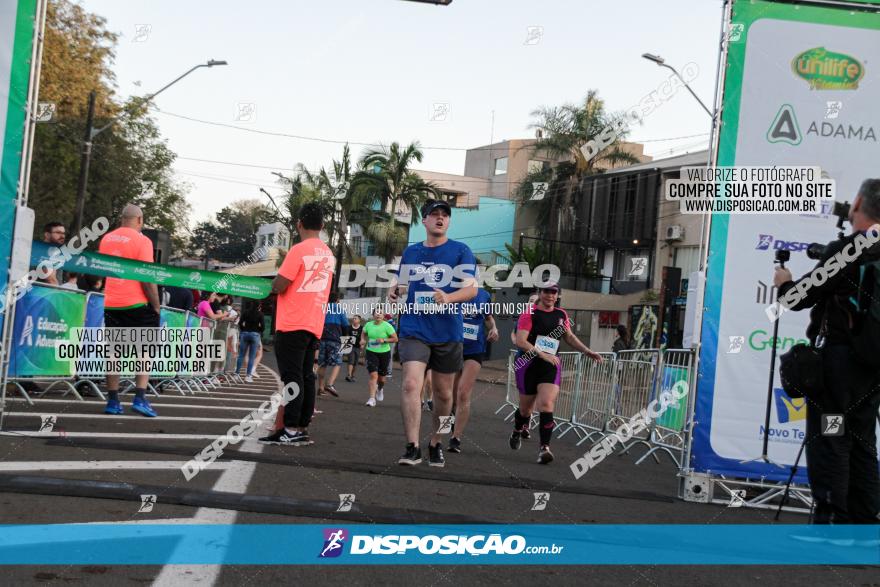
358, 143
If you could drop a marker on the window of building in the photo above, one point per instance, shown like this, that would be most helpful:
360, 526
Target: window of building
357, 244
536, 166
687, 259
501, 166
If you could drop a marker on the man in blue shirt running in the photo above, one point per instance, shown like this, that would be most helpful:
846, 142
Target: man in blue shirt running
436, 276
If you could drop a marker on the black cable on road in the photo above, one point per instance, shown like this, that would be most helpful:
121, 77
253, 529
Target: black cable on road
284, 459
263, 504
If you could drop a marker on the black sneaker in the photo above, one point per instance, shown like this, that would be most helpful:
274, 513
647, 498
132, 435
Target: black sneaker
435, 456
545, 456
515, 440
454, 445
331, 390
349, 379
412, 456
285, 438
525, 434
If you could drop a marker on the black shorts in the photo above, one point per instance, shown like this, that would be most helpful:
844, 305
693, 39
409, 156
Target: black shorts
140, 317
442, 357
478, 357
379, 363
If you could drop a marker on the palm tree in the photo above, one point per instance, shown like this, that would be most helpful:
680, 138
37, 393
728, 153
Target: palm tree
565, 130
386, 179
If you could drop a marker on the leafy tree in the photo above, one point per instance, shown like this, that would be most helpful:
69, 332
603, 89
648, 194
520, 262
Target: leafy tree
233, 236
386, 178
565, 130
130, 160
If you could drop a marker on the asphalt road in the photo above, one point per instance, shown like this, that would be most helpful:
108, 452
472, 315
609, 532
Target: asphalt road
48, 478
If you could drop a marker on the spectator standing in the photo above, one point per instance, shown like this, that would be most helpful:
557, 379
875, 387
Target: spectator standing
303, 287
129, 303
251, 325
54, 234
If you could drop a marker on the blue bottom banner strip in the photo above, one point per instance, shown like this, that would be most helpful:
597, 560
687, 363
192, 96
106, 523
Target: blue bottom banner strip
158, 544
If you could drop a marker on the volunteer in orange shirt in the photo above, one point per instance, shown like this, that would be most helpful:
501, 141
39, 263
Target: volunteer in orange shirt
129, 303
303, 287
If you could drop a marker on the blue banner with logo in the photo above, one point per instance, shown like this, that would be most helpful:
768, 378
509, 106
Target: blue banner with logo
375, 544
42, 316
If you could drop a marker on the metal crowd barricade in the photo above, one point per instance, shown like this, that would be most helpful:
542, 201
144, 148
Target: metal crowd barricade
636, 377
595, 399
592, 411
569, 389
668, 433
511, 394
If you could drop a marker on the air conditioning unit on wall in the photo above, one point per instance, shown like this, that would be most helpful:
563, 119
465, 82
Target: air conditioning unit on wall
674, 232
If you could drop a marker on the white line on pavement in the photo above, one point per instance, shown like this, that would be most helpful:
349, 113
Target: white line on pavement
157, 403
102, 416
234, 479
96, 465
144, 436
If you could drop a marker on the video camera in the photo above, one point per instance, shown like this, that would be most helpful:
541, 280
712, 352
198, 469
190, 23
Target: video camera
816, 251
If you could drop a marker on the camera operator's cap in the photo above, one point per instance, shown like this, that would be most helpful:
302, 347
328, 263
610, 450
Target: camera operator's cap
432, 205
552, 285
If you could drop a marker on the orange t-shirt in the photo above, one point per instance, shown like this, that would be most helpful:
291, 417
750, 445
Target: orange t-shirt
130, 244
309, 266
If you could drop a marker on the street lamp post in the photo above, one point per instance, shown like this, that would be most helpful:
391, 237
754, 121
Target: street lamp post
662, 63
91, 133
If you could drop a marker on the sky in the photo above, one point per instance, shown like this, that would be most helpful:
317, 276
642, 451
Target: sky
377, 71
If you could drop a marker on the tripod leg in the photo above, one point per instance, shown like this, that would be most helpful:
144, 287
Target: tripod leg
794, 469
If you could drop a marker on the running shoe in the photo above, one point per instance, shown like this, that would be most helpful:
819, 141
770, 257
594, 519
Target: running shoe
142, 406
331, 390
114, 407
412, 456
545, 456
380, 394
255, 375
435, 456
249, 379
283, 437
349, 379
515, 440
525, 433
454, 445
371, 402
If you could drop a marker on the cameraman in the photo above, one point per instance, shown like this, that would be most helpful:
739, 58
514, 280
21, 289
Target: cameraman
842, 469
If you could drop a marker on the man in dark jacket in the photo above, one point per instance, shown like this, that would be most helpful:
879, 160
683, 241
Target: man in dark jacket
842, 461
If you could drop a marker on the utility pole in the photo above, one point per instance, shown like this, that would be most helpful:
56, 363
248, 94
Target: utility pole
84, 167
91, 133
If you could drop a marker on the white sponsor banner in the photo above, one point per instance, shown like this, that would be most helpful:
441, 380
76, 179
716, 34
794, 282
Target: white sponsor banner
782, 120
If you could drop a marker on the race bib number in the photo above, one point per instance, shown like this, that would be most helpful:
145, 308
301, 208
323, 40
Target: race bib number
471, 332
375, 342
547, 344
424, 300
